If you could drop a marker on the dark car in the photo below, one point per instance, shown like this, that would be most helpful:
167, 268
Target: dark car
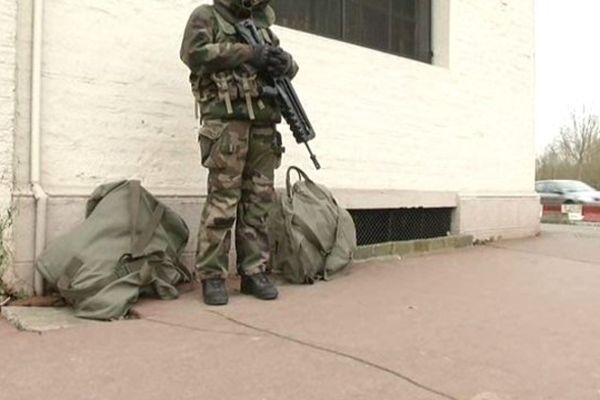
566, 192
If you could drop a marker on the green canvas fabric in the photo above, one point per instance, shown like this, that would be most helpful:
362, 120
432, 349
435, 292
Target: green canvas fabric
311, 236
129, 245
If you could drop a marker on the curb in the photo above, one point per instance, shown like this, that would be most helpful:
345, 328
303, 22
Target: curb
43, 319
413, 247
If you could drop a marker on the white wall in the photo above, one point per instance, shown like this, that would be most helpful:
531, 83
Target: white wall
8, 26
388, 122
116, 104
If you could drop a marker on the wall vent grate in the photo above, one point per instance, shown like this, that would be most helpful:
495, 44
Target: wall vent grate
401, 224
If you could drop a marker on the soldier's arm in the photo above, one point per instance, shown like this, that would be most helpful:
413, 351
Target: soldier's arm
276, 43
201, 54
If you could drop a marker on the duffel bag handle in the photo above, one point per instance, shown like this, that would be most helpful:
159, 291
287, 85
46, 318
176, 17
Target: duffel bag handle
288, 180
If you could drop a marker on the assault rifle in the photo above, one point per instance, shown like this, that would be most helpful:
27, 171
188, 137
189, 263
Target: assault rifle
283, 90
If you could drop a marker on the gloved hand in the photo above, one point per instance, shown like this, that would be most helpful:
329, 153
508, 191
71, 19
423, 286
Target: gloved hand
279, 61
260, 57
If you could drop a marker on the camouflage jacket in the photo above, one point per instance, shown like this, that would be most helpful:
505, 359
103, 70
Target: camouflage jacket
223, 84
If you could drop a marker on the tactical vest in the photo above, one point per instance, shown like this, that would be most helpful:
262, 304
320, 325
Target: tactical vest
234, 94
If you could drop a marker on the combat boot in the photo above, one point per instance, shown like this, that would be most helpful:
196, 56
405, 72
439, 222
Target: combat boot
214, 292
259, 285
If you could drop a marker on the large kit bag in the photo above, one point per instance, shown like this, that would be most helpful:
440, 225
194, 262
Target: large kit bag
129, 245
311, 236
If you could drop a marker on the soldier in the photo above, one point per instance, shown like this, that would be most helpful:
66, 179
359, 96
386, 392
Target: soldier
239, 144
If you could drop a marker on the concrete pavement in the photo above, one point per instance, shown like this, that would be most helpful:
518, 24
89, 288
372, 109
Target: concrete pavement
511, 320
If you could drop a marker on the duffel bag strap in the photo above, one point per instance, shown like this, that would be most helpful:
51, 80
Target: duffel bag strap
302, 176
288, 179
126, 265
75, 295
138, 245
146, 236
64, 282
134, 208
144, 264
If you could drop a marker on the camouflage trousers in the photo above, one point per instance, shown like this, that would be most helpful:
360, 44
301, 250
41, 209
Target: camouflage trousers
241, 158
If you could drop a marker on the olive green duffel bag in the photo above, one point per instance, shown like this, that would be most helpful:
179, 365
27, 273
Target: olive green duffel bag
311, 236
129, 245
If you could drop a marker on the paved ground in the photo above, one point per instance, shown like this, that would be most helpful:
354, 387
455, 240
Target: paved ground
513, 320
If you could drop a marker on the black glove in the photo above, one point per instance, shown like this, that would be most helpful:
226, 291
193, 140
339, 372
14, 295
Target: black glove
260, 57
279, 62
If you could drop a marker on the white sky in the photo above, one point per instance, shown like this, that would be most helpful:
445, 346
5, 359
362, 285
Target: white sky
568, 63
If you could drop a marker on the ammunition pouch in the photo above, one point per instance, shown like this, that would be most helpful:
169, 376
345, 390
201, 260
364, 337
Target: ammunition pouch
231, 86
226, 91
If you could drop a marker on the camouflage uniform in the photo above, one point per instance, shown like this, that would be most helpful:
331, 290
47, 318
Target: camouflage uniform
238, 141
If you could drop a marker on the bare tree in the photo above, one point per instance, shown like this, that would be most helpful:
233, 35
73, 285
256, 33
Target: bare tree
577, 142
549, 165
575, 153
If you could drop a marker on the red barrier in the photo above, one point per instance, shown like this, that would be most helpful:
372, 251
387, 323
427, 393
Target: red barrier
552, 208
553, 214
591, 213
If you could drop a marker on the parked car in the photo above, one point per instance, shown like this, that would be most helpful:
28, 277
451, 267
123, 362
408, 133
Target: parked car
566, 192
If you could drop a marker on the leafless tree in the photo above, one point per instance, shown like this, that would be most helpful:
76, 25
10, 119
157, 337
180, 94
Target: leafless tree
578, 141
575, 153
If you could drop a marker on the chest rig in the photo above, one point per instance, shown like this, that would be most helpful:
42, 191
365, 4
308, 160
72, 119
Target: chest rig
239, 85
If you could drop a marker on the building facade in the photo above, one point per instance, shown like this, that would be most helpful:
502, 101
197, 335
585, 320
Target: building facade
97, 93
8, 96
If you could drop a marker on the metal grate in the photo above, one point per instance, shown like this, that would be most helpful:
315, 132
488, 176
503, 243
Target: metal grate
395, 225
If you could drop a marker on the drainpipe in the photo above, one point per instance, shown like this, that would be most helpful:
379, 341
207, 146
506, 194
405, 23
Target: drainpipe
40, 196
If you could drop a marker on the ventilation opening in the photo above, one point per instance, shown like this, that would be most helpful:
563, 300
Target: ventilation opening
401, 224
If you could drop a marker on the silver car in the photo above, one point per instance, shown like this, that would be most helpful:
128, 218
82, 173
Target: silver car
566, 192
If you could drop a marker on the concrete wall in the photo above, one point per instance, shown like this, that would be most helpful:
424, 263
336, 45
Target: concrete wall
116, 104
8, 32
